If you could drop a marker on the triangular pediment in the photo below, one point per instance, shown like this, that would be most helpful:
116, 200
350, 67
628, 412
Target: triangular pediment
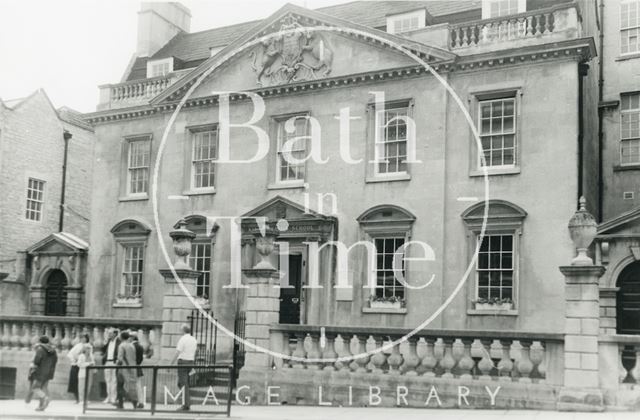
288, 48
627, 223
282, 208
59, 243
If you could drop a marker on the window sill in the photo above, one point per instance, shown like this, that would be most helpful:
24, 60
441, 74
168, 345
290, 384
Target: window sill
493, 312
286, 186
619, 168
200, 191
388, 178
495, 171
398, 311
141, 197
127, 305
625, 57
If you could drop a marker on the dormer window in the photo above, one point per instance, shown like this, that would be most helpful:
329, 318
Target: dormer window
406, 22
498, 8
161, 67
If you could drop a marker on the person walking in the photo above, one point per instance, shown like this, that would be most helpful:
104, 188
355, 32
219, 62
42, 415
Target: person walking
139, 372
85, 359
128, 376
43, 368
73, 355
110, 375
185, 355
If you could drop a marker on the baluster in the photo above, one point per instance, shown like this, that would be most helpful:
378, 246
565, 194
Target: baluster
76, 335
547, 24
48, 330
529, 30
635, 372
429, 361
538, 27
345, 365
481, 34
363, 360
522, 28
329, 350
412, 360
5, 340
539, 360
65, 343
395, 359
314, 351
524, 366
56, 330
15, 336
486, 364
622, 370
379, 359
25, 341
35, 333
143, 339
448, 362
465, 37
299, 352
466, 363
505, 365
286, 350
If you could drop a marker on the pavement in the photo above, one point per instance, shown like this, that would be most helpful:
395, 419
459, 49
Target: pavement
65, 410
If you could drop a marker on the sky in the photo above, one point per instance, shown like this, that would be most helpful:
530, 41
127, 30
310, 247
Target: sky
70, 47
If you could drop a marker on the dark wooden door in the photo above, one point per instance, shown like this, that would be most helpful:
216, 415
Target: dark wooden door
628, 300
290, 296
56, 294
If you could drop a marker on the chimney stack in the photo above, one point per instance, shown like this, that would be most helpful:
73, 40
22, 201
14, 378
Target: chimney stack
158, 23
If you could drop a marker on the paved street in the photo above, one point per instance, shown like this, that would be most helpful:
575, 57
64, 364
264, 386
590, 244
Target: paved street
16, 409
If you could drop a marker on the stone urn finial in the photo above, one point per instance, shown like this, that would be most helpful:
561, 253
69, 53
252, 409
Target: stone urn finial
182, 238
265, 246
583, 229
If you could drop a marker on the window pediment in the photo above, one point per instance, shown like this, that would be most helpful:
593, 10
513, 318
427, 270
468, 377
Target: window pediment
498, 212
386, 217
131, 227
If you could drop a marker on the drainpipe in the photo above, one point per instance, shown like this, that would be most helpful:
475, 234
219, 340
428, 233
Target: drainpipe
66, 136
600, 111
583, 69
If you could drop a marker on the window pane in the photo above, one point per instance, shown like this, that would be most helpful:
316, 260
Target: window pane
35, 199
495, 270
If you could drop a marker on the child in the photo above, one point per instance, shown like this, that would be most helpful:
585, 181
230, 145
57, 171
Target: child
85, 359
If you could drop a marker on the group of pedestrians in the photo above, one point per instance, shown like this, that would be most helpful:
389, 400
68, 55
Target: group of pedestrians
126, 383
123, 384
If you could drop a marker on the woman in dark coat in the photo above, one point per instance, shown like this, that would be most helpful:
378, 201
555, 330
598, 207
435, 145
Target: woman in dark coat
42, 369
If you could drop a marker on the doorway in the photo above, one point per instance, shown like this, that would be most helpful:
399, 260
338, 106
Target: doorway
628, 300
56, 294
291, 297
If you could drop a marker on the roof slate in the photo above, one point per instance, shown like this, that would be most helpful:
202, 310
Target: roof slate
194, 47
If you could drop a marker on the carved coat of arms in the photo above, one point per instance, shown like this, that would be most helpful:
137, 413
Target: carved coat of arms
293, 54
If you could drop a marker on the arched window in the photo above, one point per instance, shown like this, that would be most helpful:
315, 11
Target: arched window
496, 270
201, 251
131, 237
388, 228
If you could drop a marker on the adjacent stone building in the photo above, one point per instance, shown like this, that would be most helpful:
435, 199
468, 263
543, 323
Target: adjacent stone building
44, 239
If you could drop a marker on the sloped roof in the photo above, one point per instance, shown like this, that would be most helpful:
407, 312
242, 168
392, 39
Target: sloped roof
74, 117
195, 47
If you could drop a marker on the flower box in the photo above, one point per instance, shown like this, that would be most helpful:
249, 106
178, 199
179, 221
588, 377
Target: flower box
504, 306
385, 304
128, 301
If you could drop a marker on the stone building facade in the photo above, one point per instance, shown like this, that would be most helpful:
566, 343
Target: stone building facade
32, 148
440, 201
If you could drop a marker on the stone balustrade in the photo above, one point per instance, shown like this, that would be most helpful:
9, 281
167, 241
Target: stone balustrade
22, 332
628, 358
468, 355
560, 21
135, 92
